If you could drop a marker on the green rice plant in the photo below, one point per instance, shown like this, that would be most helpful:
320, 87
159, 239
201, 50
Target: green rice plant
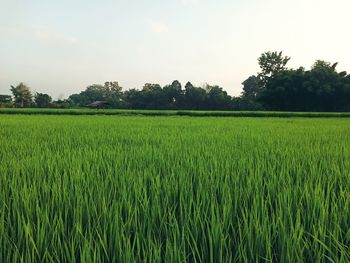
174, 189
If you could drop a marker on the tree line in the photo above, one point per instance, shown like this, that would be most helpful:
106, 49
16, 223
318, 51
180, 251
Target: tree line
275, 87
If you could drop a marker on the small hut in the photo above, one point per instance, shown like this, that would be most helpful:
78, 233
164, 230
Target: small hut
99, 104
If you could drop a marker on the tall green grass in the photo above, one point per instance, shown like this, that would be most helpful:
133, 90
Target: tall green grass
169, 189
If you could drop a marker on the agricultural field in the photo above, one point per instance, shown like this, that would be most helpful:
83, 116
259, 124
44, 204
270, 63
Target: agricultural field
174, 189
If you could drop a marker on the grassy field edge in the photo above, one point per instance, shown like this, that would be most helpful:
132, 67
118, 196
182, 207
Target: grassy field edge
31, 111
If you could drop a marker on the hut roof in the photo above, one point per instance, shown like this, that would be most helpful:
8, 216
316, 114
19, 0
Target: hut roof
98, 103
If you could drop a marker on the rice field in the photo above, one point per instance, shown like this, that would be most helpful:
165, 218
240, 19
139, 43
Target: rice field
174, 189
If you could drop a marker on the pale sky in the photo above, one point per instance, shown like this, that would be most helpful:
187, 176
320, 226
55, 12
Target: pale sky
61, 46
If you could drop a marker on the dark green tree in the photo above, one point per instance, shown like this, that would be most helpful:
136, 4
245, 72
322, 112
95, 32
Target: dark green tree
217, 98
320, 89
110, 91
174, 95
328, 87
195, 98
271, 63
90, 94
153, 97
114, 94
285, 91
5, 101
134, 99
251, 89
42, 100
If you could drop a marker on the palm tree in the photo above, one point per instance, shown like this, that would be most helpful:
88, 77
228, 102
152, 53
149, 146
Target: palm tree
22, 95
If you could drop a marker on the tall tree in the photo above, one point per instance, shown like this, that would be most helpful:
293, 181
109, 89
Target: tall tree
217, 98
42, 100
285, 91
320, 89
195, 97
174, 95
329, 88
22, 95
251, 89
153, 97
90, 94
134, 99
113, 93
271, 63
5, 100
110, 91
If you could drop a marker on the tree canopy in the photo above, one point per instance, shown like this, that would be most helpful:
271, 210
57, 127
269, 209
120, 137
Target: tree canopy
42, 100
322, 88
22, 95
274, 87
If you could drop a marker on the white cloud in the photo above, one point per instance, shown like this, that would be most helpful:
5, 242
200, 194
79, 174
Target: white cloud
49, 34
158, 27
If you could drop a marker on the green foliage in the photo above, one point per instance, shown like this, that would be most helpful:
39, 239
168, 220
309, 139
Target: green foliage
62, 103
320, 89
195, 97
22, 95
174, 95
113, 93
153, 97
42, 100
270, 64
110, 92
166, 189
217, 98
251, 89
193, 113
275, 87
5, 101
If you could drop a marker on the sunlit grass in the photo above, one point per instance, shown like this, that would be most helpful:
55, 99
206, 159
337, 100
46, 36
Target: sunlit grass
172, 189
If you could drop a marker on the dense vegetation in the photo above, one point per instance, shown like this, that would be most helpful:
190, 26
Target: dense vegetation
275, 87
126, 112
169, 189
